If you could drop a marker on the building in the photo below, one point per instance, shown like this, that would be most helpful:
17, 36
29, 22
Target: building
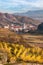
16, 27
23, 28
6, 26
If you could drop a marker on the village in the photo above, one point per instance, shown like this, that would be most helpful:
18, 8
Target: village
19, 28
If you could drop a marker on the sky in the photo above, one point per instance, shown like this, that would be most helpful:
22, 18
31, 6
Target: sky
19, 6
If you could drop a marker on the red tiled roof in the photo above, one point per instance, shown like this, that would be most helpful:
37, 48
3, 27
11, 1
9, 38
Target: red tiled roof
16, 26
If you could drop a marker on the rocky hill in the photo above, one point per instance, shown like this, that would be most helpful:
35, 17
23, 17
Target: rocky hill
25, 19
6, 18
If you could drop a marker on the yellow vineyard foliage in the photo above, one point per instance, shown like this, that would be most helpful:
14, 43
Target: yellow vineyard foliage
20, 52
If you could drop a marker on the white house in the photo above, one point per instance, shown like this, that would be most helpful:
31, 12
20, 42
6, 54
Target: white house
6, 26
16, 27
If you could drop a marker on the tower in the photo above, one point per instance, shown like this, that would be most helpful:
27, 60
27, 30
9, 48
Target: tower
24, 26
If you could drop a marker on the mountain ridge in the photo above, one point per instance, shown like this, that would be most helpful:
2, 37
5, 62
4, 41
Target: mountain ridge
37, 14
6, 18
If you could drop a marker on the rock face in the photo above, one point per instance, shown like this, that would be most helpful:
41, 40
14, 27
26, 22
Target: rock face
40, 27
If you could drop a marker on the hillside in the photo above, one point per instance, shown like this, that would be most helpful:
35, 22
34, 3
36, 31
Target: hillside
25, 39
25, 19
16, 48
6, 18
37, 14
11, 37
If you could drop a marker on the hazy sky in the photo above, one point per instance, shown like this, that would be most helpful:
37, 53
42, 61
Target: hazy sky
20, 5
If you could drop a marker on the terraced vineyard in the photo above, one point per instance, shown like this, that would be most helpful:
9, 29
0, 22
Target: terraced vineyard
18, 53
34, 40
16, 48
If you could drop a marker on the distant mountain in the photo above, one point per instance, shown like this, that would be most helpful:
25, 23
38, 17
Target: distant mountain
38, 14
6, 18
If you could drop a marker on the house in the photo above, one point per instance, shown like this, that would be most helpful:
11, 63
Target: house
32, 27
29, 27
16, 28
22, 28
6, 26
